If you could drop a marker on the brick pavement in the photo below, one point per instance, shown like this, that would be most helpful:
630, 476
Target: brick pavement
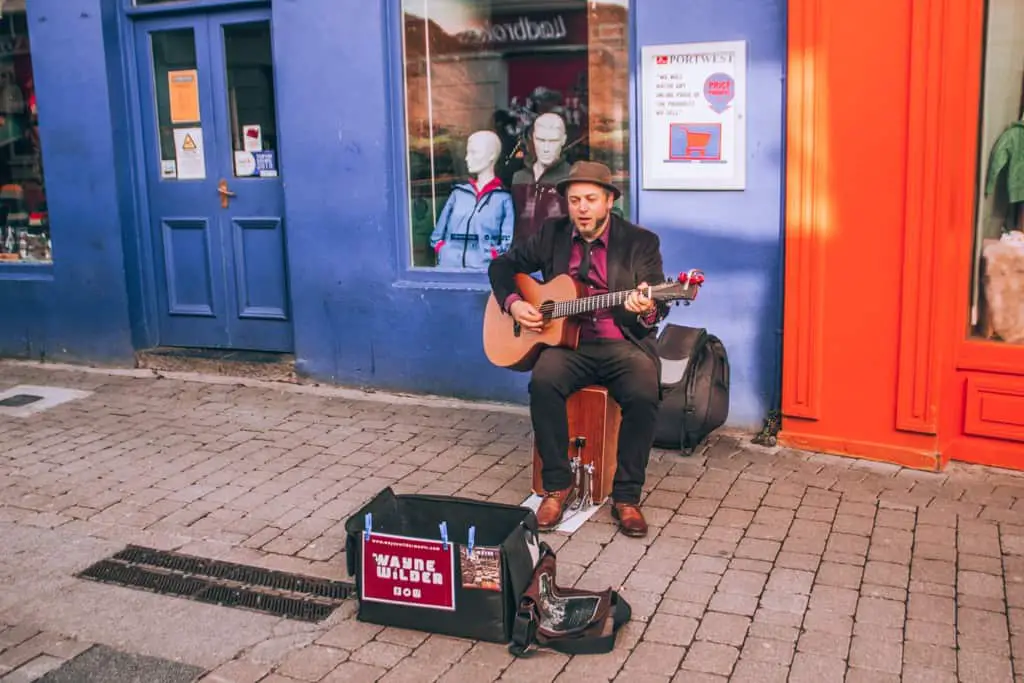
762, 564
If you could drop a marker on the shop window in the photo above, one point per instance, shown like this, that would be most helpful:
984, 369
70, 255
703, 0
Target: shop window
25, 227
501, 97
997, 307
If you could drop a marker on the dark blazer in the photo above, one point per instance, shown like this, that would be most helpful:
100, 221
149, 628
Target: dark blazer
634, 256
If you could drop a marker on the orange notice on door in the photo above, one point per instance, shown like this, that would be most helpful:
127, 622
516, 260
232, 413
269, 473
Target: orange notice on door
184, 95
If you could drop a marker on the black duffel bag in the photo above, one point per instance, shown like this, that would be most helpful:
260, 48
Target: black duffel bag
695, 387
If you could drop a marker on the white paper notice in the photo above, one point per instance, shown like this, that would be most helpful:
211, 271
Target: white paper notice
191, 157
252, 138
694, 116
571, 519
245, 164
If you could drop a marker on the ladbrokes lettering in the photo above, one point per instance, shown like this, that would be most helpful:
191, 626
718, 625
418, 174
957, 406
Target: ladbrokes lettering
523, 30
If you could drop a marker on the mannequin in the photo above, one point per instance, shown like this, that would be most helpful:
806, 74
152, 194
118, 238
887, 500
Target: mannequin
533, 187
476, 222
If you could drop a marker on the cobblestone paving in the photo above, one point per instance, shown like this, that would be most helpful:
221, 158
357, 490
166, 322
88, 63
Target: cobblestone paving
762, 564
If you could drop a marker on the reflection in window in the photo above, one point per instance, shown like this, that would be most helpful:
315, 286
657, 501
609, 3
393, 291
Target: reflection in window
998, 298
174, 60
499, 104
247, 51
25, 226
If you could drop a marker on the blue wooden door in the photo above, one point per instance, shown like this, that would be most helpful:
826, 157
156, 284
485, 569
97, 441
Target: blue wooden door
213, 181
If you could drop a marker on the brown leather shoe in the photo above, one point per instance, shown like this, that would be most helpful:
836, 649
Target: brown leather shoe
549, 514
631, 519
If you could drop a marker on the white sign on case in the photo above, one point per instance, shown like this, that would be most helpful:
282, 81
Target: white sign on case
693, 124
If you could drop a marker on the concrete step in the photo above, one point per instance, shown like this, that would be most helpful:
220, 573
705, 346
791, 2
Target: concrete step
278, 367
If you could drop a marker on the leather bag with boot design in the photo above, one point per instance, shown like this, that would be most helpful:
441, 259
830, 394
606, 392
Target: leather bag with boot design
568, 620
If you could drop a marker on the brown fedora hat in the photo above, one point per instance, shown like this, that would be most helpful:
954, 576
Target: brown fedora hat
590, 172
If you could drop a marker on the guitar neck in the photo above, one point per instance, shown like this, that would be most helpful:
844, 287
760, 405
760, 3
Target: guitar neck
587, 304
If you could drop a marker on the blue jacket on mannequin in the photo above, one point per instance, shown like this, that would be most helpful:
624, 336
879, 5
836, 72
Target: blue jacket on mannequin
474, 228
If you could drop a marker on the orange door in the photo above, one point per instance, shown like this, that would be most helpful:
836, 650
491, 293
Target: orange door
881, 359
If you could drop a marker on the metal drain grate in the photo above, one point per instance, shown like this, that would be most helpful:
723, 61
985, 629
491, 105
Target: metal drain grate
303, 610
19, 400
238, 573
115, 572
293, 596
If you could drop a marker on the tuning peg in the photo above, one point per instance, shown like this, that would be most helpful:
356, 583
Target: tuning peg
683, 278
695, 277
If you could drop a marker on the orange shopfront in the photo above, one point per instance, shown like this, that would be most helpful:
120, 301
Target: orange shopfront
904, 287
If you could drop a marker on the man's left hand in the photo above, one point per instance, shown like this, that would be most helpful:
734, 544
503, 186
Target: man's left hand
638, 302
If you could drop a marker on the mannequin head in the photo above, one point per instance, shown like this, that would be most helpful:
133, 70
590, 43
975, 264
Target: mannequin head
482, 150
548, 138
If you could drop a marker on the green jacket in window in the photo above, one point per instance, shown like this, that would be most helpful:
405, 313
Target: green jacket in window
1008, 153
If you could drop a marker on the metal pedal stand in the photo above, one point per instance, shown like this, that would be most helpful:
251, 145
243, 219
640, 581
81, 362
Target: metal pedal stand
578, 469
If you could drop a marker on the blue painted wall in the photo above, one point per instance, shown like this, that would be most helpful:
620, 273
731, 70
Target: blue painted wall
78, 308
356, 323
360, 318
735, 237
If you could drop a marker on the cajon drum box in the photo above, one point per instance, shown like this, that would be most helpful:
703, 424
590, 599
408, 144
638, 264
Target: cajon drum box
594, 420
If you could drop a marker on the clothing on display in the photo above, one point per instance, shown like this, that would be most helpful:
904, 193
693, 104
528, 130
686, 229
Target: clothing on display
1000, 285
475, 226
1008, 154
537, 199
532, 90
24, 219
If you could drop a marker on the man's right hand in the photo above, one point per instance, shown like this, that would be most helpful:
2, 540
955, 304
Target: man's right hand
526, 315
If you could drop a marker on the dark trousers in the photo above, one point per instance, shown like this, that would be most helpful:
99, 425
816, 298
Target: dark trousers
631, 378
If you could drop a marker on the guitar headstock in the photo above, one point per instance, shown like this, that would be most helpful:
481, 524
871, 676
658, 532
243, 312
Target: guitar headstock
684, 288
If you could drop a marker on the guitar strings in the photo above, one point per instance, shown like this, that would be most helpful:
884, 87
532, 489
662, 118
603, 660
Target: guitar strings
576, 306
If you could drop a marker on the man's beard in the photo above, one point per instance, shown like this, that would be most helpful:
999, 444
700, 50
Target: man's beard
595, 227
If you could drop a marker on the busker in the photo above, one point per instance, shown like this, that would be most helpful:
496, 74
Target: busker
616, 348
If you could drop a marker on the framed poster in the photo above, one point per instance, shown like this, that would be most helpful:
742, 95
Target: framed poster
693, 116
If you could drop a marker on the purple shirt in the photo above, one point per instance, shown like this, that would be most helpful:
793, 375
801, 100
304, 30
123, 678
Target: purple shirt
597, 324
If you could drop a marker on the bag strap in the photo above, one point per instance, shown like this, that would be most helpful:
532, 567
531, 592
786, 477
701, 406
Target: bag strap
693, 367
524, 626
690, 422
723, 358
524, 630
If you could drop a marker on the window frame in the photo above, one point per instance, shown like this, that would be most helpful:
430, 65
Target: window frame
30, 271
969, 315
181, 6
430, 277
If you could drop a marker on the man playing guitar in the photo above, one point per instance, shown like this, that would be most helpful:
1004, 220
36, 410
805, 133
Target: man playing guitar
616, 346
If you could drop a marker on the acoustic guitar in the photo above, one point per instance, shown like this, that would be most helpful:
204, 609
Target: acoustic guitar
508, 345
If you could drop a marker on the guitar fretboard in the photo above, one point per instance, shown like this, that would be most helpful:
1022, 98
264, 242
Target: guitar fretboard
564, 309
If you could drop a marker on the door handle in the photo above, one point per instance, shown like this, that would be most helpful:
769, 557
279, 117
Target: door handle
225, 193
